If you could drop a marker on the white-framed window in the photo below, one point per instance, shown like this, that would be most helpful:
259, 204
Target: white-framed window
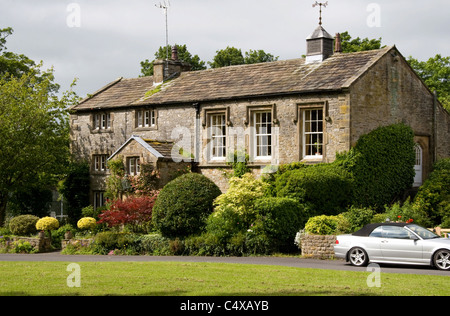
263, 134
313, 133
146, 118
134, 166
218, 136
100, 162
102, 121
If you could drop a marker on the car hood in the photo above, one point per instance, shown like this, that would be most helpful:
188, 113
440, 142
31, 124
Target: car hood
441, 241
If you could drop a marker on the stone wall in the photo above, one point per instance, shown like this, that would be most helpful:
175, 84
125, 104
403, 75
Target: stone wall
316, 246
76, 243
392, 93
39, 244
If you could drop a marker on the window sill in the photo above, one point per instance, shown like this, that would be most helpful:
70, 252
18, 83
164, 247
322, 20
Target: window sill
313, 159
146, 128
101, 131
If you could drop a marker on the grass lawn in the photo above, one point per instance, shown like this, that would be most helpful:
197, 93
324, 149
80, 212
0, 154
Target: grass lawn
204, 279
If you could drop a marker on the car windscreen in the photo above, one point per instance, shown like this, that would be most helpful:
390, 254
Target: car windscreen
422, 232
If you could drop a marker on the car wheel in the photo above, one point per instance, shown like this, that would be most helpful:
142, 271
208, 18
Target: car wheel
358, 257
441, 259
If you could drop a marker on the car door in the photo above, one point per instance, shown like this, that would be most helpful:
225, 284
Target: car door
400, 245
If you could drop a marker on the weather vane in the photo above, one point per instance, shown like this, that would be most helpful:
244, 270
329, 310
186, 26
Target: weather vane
320, 4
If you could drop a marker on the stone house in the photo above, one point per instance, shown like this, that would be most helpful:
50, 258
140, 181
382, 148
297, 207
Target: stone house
305, 109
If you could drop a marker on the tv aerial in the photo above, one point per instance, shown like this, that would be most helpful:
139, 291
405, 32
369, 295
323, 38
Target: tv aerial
165, 6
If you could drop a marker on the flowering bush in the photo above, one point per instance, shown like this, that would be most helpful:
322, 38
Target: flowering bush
134, 211
241, 196
47, 223
87, 223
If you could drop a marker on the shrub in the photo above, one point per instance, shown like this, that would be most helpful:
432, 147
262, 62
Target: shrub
323, 225
407, 212
326, 187
87, 223
23, 225
225, 224
184, 205
107, 241
382, 165
205, 244
21, 246
155, 245
47, 223
434, 195
58, 234
358, 217
239, 162
135, 211
279, 219
241, 196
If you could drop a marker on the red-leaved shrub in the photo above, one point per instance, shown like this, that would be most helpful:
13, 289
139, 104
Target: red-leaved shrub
134, 211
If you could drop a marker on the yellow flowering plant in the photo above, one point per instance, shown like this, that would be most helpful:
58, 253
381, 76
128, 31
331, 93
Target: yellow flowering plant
47, 223
87, 223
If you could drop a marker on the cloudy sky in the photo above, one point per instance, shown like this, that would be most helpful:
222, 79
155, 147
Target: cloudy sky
98, 41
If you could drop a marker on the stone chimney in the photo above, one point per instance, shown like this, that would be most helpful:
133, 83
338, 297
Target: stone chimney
319, 45
164, 70
337, 44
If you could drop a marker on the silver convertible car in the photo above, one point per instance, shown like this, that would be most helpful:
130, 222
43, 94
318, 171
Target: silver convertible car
398, 243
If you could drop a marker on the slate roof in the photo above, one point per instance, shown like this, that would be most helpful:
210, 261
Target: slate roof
161, 150
244, 81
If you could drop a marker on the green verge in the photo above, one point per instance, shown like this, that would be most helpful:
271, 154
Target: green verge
205, 279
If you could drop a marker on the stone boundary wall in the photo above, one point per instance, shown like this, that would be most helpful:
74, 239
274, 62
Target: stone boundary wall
318, 246
40, 244
76, 242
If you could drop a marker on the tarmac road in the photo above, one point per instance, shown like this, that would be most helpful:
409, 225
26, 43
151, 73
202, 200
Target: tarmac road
279, 261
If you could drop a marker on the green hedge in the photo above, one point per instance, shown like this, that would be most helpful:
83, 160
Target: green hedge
382, 165
184, 204
328, 188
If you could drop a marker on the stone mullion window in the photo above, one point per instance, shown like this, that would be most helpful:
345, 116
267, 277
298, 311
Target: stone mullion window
100, 163
145, 118
102, 122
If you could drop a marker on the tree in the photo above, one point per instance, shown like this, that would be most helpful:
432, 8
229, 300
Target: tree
34, 135
232, 56
258, 56
435, 72
227, 57
358, 45
183, 54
